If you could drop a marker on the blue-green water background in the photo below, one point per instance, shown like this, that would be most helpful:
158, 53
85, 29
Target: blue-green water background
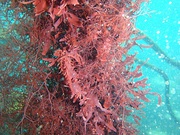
161, 22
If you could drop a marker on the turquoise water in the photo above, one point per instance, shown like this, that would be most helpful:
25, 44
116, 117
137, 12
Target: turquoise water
161, 22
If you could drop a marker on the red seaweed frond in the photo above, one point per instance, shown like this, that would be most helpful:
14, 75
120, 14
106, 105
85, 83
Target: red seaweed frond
89, 86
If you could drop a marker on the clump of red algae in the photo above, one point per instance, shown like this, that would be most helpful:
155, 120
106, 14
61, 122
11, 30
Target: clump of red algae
91, 87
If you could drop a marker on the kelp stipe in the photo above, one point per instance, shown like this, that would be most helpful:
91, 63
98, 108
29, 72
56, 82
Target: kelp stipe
90, 86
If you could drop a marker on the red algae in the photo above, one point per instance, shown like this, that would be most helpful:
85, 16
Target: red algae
89, 86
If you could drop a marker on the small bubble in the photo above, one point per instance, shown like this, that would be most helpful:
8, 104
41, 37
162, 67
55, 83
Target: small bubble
178, 42
170, 2
161, 56
173, 91
167, 82
158, 32
167, 46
